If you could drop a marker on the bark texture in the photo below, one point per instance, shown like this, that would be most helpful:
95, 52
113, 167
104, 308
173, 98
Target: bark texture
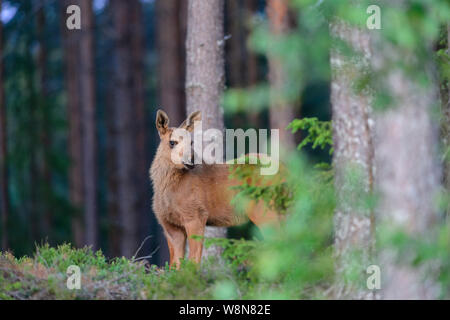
4, 197
80, 86
205, 75
124, 128
88, 110
408, 171
171, 37
445, 127
142, 154
353, 161
71, 59
43, 171
236, 45
242, 63
281, 111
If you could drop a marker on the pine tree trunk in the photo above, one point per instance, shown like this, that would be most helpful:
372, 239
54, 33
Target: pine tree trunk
352, 162
124, 133
251, 60
4, 197
44, 174
142, 155
445, 127
205, 75
88, 126
235, 46
171, 44
80, 83
281, 111
407, 170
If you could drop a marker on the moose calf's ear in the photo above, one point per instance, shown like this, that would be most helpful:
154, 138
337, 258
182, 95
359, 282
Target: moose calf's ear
162, 122
188, 124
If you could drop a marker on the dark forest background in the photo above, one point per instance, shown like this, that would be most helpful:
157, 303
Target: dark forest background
78, 108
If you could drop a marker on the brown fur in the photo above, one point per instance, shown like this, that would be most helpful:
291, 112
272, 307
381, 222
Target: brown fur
186, 200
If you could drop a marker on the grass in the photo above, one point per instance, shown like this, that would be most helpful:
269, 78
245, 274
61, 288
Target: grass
44, 276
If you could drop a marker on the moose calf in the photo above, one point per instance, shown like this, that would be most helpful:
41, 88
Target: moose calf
188, 197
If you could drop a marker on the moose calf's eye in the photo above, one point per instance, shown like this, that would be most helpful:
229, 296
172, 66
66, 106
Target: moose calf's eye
172, 143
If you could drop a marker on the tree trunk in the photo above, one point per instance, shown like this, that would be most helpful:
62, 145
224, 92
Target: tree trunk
353, 164
205, 75
445, 127
171, 44
44, 174
88, 110
281, 111
235, 46
251, 60
124, 133
4, 197
80, 83
407, 170
142, 155
71, 41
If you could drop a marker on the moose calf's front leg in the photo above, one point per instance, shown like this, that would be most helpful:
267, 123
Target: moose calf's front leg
195, 228
176, 240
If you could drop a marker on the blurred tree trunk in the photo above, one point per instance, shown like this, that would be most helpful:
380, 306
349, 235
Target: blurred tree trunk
142, 155
71, 41
44, 174
171, 60
353, 164
80, 83
171, 16
88, 122
281, 111
205, 74
447, 169
407, 169
242, 64
4, 194
124, 134
235, 46
445, 127
114, 223
251, 60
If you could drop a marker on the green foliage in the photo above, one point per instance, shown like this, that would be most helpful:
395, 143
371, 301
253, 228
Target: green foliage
319, 133
44, 277
295, 260
237, 252
298, 256
273, 190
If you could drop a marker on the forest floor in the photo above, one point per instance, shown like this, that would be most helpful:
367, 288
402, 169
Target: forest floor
46, 276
